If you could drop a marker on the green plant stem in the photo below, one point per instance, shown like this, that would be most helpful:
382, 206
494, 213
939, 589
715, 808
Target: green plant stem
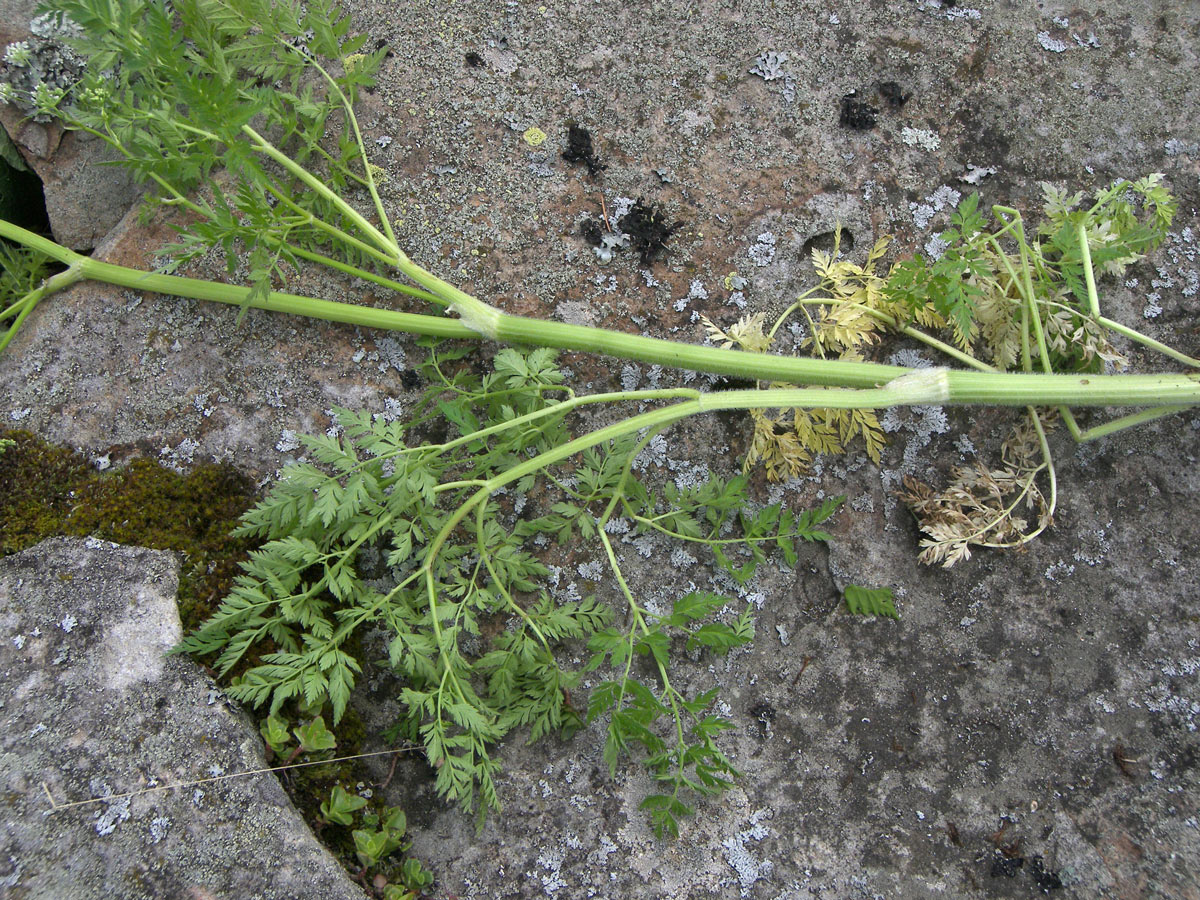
381, 241
307, 218
365, 275
920, 387
891, 322
86, 268
1089, 275
1119, 424
352, 119
1134, 419
23, 307
368, 180
961, 387
1024, 284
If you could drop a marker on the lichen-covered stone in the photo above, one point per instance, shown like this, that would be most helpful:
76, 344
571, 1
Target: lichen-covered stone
84, 197
92, 708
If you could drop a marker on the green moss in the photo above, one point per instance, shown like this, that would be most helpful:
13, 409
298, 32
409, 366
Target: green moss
48, 491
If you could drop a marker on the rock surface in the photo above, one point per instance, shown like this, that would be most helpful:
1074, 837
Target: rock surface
1032, 719
85, 196
91, 708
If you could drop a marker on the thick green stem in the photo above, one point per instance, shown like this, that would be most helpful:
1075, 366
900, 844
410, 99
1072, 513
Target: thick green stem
959, 387
920, 387
86, 268
23, 307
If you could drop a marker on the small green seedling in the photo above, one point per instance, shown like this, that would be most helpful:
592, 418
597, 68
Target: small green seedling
414, 879
339, 807
315, 737
274, 731
311, 738
380, 833
382, 836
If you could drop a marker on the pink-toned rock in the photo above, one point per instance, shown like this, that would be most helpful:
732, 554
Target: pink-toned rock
84, 197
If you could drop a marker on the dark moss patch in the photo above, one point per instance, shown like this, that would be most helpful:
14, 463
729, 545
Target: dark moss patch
856, 114
580, 149
47, 491
648, 230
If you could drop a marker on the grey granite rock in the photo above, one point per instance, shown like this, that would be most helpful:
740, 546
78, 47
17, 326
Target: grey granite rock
91, 708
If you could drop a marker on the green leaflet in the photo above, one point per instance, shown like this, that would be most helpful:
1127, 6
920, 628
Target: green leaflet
870, 601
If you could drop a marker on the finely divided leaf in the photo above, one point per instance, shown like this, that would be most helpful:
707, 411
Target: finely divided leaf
870, 601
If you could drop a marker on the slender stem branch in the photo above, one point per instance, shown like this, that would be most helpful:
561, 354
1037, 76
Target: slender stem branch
1119, 424
381, 280
1085, 252
910, 331
636, 611
1146, 340
388, 247
333, 231
352, 119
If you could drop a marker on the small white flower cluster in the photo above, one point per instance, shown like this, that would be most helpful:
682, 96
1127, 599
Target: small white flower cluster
47, 98
18, 54
35, 74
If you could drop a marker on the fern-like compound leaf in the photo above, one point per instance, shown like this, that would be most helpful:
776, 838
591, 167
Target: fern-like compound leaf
870, 601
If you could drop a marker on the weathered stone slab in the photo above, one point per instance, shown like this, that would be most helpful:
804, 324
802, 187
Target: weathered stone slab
92, 708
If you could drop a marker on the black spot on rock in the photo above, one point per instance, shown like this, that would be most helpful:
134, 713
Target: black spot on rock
1045, 879
764, 716
893, 94
1008, 866
648, 230
825, 241
591, 231
580, 149
857, 115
